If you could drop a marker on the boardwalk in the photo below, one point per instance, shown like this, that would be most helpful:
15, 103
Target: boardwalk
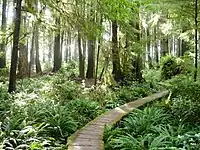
90, 137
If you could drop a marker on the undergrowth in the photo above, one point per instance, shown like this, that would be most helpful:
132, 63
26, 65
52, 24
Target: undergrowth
46, 110
172, 123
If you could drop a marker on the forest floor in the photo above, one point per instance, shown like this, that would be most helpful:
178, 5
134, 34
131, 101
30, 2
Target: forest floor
46, 110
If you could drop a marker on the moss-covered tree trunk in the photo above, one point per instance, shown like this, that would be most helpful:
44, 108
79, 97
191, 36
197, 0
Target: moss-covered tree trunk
117, 74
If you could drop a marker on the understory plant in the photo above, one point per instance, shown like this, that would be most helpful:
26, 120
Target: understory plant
172, 123
46, 110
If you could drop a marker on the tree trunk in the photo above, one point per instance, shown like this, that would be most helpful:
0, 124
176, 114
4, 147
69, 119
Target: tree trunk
149, 49
180, 50
23, 67
3, 29
50, 49
13, 68
81, 59
37, 34
69, 47
76, 55
115, 53
61, 45
23, 62
164, 46
57, 51
32, 52
156, 45
137, 61
37, 57
91, 62
97, 62
196, 40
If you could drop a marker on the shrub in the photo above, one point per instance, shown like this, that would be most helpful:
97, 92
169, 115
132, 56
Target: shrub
83, 111
5, 101
171, 67
141, 121
137, 131
185, 87
65, 90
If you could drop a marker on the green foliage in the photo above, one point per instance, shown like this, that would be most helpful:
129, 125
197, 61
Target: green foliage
4, 72
127, 94
141, 122
170, 67
46, 110
84, 111
186, 110
170, 124
183, 86
138, 131
61, 90
152, 75
5, 101
151, 128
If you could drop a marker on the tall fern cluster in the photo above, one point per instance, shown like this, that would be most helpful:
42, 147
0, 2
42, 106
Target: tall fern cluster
46, 110
168, 124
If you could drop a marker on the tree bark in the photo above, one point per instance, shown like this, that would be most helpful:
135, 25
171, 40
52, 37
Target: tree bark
164, 46
149, 49
69, 47
196, 40
23, 69
115, 53
3, 29
137, 61
50, 49
156, 45
37, 56
14, 58
57, 51
97, 62
81, 59
91, 62
32, 52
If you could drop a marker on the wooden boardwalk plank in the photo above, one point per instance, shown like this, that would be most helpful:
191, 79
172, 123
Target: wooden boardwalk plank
90, 137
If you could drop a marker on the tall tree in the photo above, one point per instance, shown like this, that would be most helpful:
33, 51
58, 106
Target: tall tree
23, 68
81, 58
57, 51
196, 39
14, 58
37, 55
3, 43
91, 60
32, 52
117, 74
